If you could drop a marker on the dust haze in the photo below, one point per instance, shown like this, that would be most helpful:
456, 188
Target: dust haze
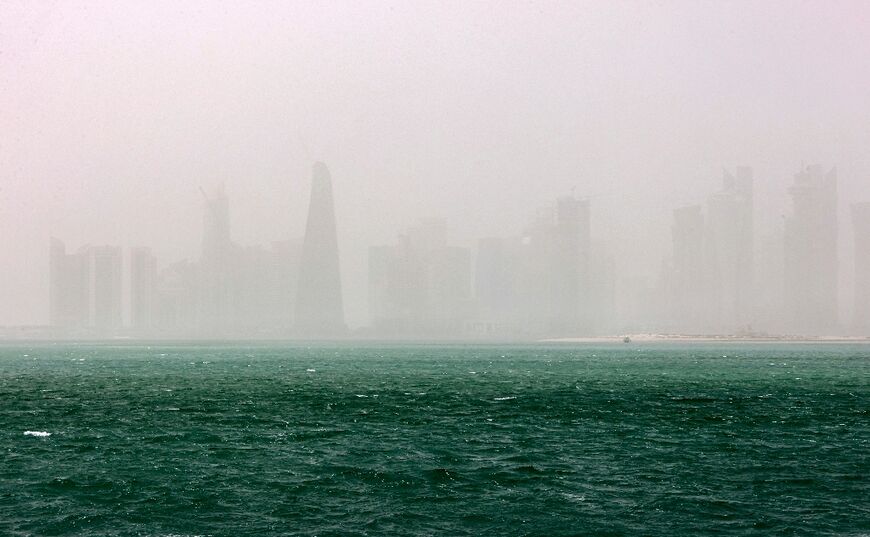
434, 169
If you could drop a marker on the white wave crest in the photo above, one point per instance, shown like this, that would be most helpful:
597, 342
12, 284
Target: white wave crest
37, 433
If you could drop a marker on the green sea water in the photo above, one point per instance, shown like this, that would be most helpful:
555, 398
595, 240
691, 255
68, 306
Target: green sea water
389, 439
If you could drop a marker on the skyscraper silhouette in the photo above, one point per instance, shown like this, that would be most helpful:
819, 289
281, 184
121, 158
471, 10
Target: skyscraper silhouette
68, 287
143, 281
729, 249
690, 291
319, 309
861, 225
85, 287
811, 266
569, 287
215, 293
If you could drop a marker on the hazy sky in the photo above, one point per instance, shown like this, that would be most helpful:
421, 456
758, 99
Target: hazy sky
114, 113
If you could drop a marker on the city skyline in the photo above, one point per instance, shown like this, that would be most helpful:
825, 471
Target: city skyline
434, 267
116, 116
555, 278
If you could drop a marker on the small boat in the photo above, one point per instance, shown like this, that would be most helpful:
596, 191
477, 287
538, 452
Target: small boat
626, 339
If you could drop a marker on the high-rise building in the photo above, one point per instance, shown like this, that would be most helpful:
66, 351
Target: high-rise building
286, 255
450, 288
143, 282
105, 300
811, 263
68, 287
553, 271
861, 227
496, 281
601, 299
769, 287
420, 285
540, 283
397, 288
319, 308
85, 287
216, 266
730, 251
571, 247
535, 279
265, 286
175, 307
689, 283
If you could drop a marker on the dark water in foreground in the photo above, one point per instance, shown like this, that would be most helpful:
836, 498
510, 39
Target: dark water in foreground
422, 440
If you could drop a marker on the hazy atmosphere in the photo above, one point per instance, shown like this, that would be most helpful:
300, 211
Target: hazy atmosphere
135, 124
423, 268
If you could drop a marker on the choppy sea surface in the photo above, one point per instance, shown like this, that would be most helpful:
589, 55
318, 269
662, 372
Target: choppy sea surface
389, 439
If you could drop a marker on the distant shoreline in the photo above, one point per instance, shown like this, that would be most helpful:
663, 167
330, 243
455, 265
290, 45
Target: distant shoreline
371, 340
672, 338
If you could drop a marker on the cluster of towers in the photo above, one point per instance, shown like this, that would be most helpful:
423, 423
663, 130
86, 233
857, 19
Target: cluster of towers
292, 289
551, 280
542, 282
554, 280
720, 281
710, 277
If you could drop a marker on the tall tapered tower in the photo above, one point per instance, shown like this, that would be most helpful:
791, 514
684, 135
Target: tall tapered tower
319, 309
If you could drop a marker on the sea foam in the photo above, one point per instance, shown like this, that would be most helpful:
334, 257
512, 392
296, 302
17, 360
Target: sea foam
37, 433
